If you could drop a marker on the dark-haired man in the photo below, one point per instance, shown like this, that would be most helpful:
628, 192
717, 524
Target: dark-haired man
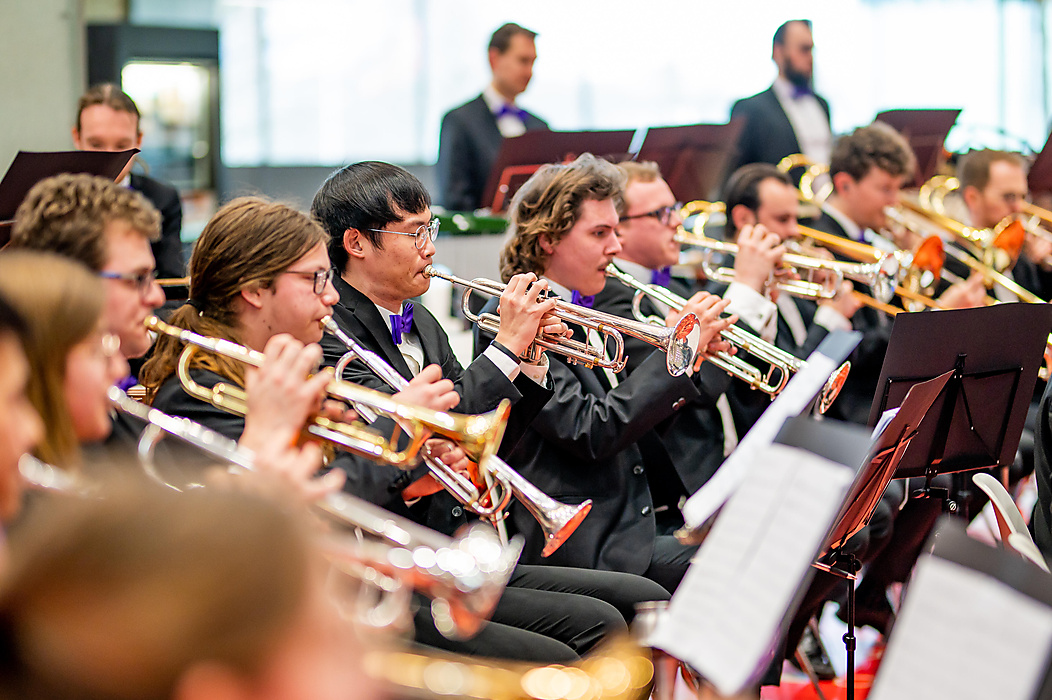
382, 237
472, 133
787, 117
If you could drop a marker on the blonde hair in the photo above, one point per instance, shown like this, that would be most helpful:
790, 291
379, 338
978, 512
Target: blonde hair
547, 207
61, 303
636, 171
68, 214
119, 597
247, 244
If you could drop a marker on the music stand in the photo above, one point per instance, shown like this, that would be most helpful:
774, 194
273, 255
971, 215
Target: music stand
1040, 176
872, 477
692, 158
926, 131
29, 167
977, 420
520, 157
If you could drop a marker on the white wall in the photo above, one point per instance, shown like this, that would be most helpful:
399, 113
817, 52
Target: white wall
41, 74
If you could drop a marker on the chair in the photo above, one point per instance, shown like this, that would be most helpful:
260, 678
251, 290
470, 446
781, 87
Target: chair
1014, 533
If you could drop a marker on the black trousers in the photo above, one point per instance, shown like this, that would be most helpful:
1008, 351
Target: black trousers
670, 561
550, 614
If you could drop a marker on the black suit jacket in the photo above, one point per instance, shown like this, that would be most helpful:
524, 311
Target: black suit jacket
168, 251
481, 385
767, 135
856, 398
594, 442
693, 439
467, 149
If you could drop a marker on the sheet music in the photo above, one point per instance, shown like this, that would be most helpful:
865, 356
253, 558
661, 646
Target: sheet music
793, 399
724, 617
962, 634
885, 420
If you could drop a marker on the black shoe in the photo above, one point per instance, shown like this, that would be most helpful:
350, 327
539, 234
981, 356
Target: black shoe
814, 654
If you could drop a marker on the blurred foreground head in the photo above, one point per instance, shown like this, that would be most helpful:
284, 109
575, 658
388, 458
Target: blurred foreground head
147, 594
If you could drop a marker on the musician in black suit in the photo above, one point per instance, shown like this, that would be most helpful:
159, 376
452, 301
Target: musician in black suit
695, 442
868, 168
590, 440
472, 133
762, 208
108, 120
787, 117
993, 187
381, 238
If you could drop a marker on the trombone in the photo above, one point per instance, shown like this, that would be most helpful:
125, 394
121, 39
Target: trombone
464, 576
557, 520
680, 343
479, 435
782, 365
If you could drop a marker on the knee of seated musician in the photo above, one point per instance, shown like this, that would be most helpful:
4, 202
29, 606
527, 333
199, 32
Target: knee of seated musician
622, 591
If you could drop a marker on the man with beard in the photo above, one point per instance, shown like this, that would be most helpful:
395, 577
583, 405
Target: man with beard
787, 117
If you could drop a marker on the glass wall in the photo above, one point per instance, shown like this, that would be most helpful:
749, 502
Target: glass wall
322, 82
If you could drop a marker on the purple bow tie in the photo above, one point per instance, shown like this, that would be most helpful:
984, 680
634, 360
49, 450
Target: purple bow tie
127, 383
661, 277
801, 91
511, 109
577, 298
402, 323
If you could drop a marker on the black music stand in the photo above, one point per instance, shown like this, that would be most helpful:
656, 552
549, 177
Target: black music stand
874, 472
926, 131
520, 157
1040, 176
692, 158
994, 353
29, 167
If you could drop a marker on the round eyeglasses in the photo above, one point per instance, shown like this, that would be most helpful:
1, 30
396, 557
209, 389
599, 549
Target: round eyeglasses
423, 234
663, 214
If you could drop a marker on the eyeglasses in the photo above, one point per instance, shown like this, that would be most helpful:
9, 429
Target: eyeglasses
142, 281
321, 278
423, 234
663, 215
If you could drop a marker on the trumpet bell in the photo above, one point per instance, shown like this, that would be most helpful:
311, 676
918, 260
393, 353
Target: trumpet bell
559, 522
831, 389
683, 344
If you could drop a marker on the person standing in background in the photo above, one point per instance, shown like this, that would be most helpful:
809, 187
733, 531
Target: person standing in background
472, 133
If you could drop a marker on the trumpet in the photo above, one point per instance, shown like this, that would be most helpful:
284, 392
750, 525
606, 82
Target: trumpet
680, 343
464, 576
41, 476
879, 275
478, 435
782, 365
557, 520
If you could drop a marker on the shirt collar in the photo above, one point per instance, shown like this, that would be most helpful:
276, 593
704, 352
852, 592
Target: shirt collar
564, 293
853, 230
784, 90
494, 100
638, 271
386, 315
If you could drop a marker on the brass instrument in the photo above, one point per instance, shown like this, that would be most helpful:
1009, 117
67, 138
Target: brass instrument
478, 435
879, 275
41, 476
618, 670
464, 576
557, 520
680, 343
812, 171
782, 365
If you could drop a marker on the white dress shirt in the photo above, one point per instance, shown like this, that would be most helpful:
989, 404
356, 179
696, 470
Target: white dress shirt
810, 122
509, 125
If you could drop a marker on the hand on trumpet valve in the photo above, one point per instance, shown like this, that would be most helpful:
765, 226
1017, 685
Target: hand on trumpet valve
759, 255
965, 294
280, 397
430, 390
845, 302
709, 309
521, 310
449, 454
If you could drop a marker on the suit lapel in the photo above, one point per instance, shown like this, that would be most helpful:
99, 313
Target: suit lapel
365, 311
430, 334
782, 119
